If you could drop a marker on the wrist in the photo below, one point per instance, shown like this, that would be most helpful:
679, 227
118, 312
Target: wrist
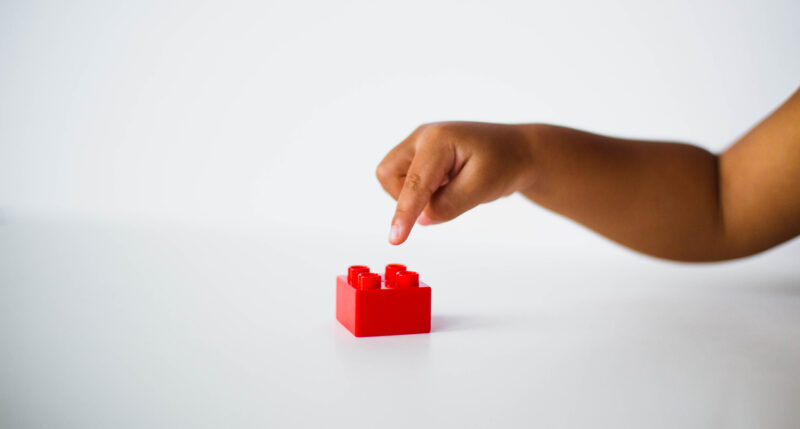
532, 137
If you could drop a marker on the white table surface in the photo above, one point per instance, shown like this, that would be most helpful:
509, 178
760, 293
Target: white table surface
114, 325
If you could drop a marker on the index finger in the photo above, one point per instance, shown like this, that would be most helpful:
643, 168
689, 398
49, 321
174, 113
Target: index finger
428, 169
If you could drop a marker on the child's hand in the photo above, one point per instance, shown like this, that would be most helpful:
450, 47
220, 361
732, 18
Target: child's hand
444, 169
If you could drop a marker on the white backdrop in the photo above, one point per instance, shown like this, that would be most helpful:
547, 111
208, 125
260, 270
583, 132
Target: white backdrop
277, 112
181, 181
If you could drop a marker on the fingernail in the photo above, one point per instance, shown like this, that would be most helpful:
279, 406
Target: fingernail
423, 220
394, 234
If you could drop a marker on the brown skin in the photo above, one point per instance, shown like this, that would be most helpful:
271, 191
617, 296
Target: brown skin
668, 200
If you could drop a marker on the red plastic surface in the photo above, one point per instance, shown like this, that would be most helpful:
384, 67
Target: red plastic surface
367, 306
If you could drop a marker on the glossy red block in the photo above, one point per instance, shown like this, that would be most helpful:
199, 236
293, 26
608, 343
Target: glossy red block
368, 304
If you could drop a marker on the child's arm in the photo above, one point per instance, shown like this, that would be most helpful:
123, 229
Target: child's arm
668, 200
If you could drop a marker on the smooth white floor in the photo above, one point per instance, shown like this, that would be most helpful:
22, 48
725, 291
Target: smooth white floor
107, 325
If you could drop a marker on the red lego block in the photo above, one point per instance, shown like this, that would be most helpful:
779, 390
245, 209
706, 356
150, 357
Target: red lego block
368, 304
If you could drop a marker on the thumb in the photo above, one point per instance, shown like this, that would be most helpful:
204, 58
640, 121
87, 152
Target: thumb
459, 195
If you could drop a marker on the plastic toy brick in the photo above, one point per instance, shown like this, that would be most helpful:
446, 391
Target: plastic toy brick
368, 304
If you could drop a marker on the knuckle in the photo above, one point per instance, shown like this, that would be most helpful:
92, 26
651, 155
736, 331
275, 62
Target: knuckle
413, 182
445, 129
436, 133
421, 129
382, 172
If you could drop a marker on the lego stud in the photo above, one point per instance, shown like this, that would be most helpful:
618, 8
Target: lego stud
353, 272
405, 279
367, 281
391, 270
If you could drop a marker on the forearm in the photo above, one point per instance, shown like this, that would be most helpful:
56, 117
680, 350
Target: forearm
658, 198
